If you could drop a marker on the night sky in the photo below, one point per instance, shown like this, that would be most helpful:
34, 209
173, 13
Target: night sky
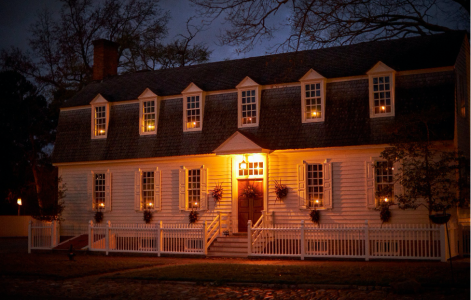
16, 17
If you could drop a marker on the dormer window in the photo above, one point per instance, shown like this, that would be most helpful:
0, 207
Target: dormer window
248, 103
381, 86
148, 113
100, 117
100, 121
312, 97
193, 108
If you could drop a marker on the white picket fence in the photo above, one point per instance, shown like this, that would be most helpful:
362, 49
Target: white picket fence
348, 241
154, 238
43, 235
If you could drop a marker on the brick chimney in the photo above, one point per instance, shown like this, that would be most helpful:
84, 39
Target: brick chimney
105, 59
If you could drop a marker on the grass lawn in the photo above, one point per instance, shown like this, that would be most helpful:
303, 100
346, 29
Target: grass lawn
58, 266
373, 273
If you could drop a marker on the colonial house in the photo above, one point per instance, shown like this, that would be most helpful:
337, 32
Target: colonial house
315, 121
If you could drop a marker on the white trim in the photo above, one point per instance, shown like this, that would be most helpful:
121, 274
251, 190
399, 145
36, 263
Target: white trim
313, 77
382, 70
192, 90
327, 176
99, 101
247, 84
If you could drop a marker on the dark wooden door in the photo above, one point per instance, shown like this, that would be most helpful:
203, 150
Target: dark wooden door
250, 208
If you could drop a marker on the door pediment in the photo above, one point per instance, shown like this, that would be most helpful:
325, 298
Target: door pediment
239, 144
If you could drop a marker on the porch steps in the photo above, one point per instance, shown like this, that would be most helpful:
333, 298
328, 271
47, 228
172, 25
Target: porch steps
78, 242
230, 246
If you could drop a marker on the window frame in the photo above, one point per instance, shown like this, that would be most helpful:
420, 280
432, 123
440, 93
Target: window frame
107, 190
372, 200
247, 84
99, 101
139, 192
148, 96
303, 187
193, 90
382, 70
183, 188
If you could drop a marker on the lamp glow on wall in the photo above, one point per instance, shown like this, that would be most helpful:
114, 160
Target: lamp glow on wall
19, 205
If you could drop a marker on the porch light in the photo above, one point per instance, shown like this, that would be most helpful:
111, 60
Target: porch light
243, 165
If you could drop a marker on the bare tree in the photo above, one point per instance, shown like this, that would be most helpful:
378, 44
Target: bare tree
319, 23
62, 45
151, 54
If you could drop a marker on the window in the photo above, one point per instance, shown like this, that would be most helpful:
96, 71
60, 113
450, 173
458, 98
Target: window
148, 112
193, 115
193, 108
315, 185
100, 121
147, 189
384, 181
100, 116
381, 89
380, 183
249, 107
312, 97
99, 190
193, 188
382, 95
248, 103
251, 168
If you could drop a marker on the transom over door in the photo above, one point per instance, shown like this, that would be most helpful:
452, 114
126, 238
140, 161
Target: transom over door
250, 207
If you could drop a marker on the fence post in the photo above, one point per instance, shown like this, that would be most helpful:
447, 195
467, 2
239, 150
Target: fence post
205, 236
249, 237
90, 234
53, 233
161, 242
30, 231
442, 243
107, 237
303, 248
158, 238
367, 242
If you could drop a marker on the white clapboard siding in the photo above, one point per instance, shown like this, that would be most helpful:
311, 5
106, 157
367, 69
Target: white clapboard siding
123, 190
348, 188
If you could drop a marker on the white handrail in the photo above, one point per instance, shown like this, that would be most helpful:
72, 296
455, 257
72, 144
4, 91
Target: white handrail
213, 230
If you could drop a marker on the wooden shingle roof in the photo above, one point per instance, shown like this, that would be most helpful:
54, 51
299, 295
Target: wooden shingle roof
347, 121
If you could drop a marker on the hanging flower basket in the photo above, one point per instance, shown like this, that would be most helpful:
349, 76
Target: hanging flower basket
281, 190
148, 216
217, 193
315, 216
193, 216
98, 216
439, 218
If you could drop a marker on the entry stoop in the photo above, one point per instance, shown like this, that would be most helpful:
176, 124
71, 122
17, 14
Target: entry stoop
229, 246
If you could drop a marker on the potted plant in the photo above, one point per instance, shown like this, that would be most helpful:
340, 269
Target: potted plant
281, 190
217, 193
148, 215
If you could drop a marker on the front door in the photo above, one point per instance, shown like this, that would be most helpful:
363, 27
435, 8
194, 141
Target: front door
250, 203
